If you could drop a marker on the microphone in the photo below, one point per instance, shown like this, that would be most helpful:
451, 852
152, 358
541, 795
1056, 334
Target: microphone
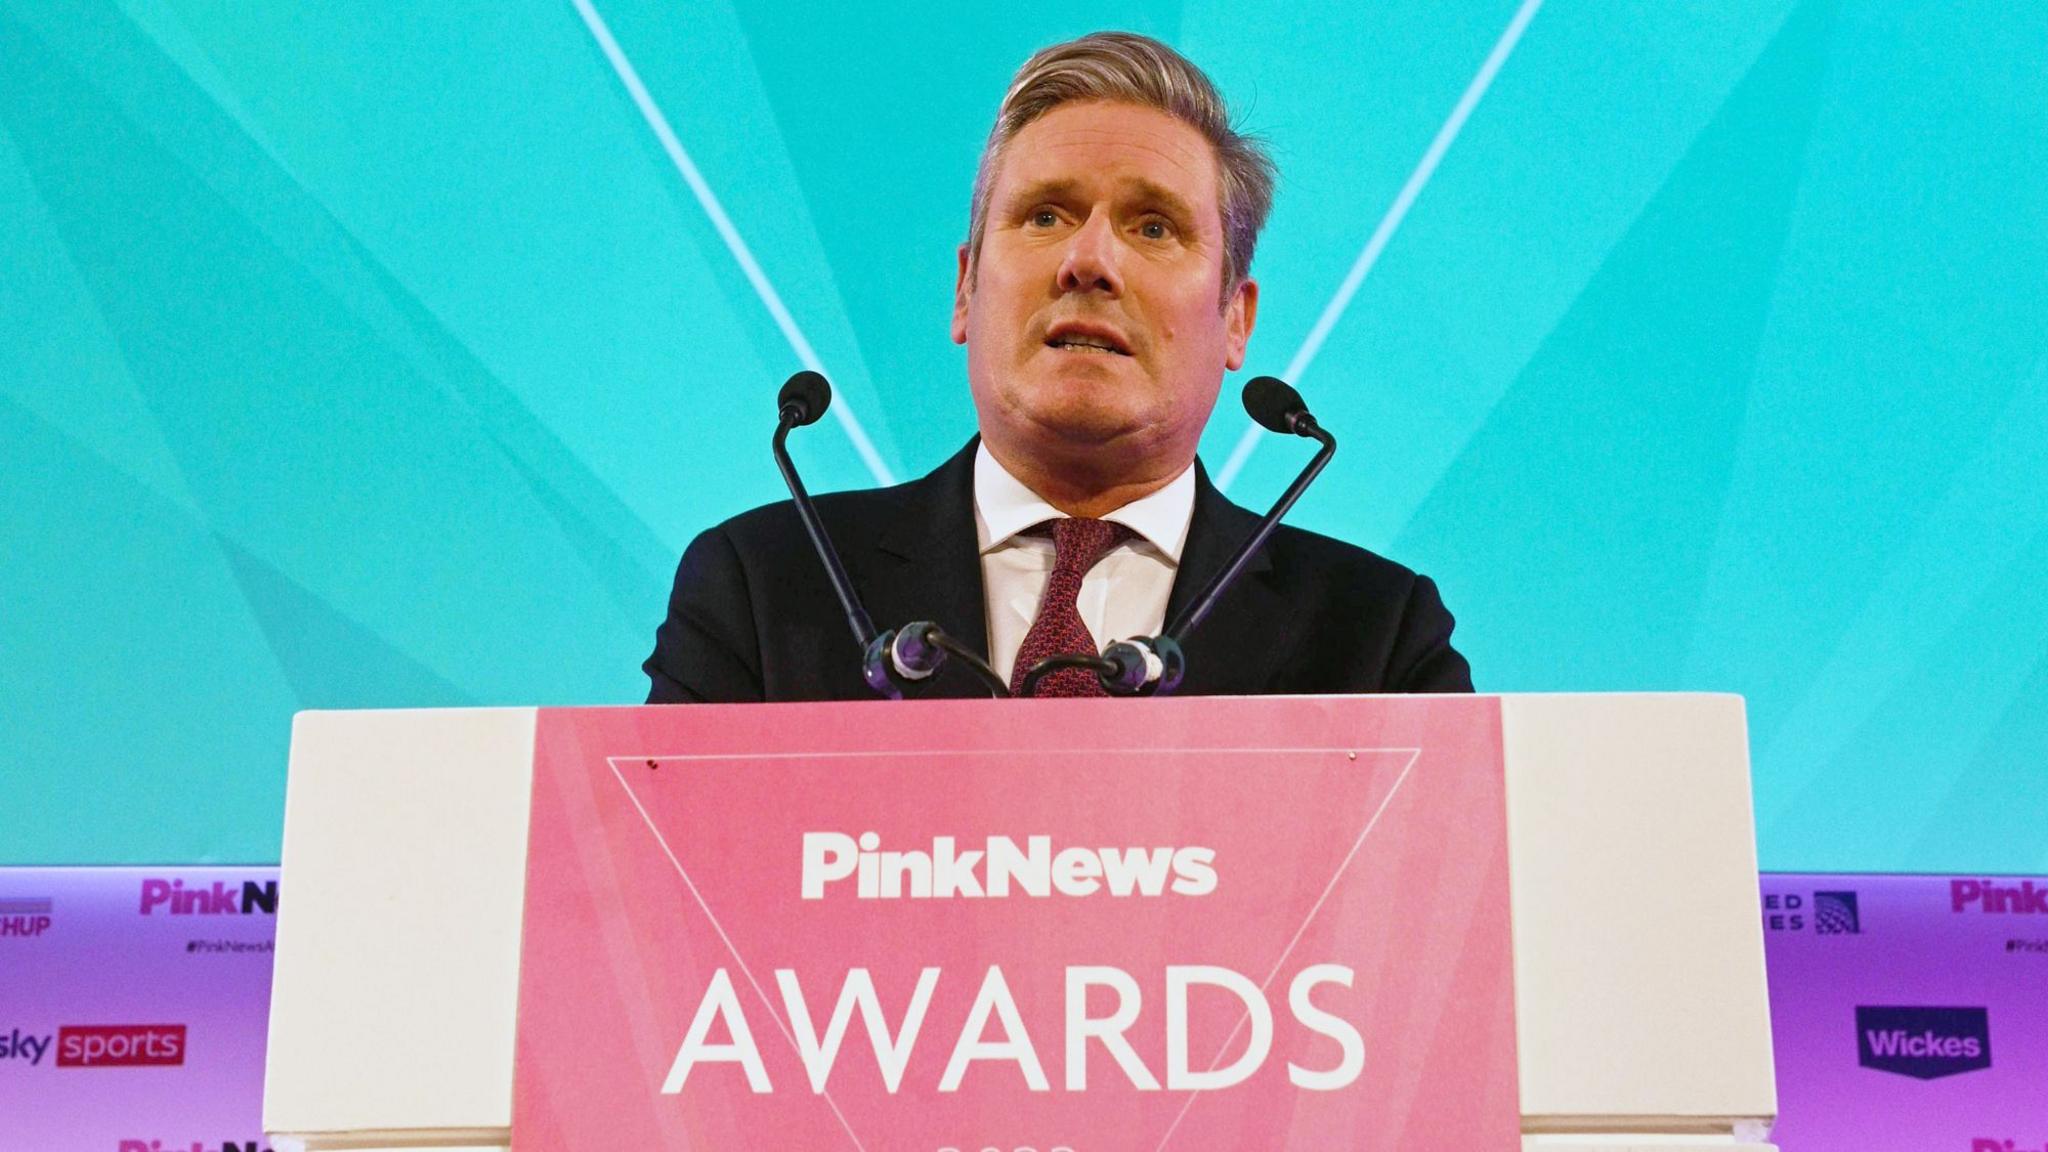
1277, 406
1154, 665
804, 398
891, 659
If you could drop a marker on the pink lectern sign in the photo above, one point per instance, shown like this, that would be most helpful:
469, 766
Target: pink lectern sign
1149, 925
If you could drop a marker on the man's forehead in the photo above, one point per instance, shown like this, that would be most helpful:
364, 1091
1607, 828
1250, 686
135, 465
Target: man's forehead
1097, 145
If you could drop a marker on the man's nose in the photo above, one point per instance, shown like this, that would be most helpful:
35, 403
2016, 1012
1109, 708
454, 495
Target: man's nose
1090, 264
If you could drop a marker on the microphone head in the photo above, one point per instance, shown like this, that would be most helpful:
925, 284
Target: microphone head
1273, 403
804, 398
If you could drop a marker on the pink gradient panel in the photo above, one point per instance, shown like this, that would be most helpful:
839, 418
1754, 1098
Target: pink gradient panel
669, 846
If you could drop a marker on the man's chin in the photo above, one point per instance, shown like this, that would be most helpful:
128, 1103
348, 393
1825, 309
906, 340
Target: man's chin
1084, 426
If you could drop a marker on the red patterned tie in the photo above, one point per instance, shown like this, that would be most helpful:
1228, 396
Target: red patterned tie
1077, 545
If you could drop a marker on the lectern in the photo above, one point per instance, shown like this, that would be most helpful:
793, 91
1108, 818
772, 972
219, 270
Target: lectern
1357, 885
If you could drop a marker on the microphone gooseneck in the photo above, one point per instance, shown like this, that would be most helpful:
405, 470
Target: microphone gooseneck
804, 398
900, 656
1275, 405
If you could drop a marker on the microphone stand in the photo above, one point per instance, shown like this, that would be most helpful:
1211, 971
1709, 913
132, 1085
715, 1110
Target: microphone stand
791, 416
1197, 610
889, 659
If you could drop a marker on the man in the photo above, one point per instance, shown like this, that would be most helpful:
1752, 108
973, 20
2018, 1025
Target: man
1103, 290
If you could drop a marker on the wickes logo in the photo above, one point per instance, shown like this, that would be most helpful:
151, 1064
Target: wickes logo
221, 898
1924, 1043
2022, 899
999, 866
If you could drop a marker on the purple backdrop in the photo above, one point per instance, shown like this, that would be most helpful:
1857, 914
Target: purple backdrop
1910, 1012
133, 1008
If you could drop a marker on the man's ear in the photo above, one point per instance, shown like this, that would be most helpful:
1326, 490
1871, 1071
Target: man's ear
963, 288
1238, 318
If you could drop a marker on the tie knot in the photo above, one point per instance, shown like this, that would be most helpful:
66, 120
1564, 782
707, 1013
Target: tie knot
1079, 544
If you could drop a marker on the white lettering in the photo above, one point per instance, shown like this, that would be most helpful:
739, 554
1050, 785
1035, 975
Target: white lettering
953, 873
1074, 871
896, 866
869, 884
828, 856
1197, 871
892, 1053
1179, 979
720, 1002
1136, 869
1015, 1045
946, 872
1348, 1040
1033, 872
1108, 1029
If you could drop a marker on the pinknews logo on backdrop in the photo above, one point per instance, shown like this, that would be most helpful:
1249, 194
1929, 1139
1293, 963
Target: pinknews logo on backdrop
24, 916
221, 898
946, 872
1991, 898
1988, 1144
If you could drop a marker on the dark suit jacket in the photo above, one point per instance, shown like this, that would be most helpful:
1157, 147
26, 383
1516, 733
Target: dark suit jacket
753, 617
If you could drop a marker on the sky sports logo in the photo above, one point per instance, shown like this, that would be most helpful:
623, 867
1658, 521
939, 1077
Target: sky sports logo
25, 916
999, 866
221, 898
99, 1046
1924, 1043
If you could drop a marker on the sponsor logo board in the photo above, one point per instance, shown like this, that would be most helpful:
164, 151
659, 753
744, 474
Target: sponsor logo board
120, 1045
1921, 1042
25, 917
1827, 912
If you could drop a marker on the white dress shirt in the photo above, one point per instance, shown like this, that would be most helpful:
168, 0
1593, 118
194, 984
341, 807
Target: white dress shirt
1123, 595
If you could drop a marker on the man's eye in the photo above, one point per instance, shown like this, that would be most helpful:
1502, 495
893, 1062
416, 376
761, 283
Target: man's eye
1155, 230
1044, 218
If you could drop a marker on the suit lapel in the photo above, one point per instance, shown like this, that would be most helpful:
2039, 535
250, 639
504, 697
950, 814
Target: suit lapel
927, 566
1237, 649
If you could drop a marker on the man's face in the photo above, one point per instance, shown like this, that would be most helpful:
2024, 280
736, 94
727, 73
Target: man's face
1094, 317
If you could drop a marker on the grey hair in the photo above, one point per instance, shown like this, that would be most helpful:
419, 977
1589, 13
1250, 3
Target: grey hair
1133, 69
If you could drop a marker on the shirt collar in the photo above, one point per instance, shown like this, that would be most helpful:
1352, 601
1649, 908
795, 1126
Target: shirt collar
1003, 507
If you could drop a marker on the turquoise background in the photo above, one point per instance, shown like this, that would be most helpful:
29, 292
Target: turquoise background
361, 355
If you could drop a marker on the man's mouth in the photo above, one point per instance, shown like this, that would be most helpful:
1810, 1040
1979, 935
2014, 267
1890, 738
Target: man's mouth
1084, 346
1068, 339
